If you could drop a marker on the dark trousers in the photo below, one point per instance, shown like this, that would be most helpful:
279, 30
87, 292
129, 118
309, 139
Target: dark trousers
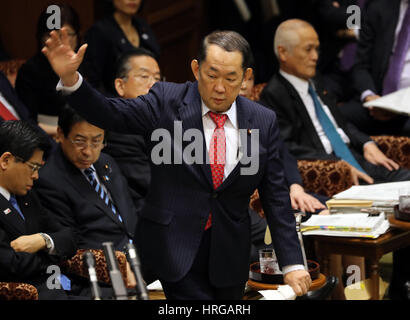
196, 284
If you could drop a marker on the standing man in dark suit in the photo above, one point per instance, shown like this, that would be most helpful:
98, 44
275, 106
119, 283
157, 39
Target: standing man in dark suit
30, 240
196, 215
382, 66
297, 102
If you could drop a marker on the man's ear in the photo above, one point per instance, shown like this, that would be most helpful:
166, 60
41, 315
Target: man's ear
119, 86
282, 53
60, 134
5, 159
248, 74
195, 68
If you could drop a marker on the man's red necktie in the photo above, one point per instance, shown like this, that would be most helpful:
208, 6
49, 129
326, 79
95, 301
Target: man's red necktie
5, 114
217, 154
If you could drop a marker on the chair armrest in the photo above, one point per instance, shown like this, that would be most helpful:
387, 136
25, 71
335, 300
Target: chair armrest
77, 266
17, 291
326, 177
396, 148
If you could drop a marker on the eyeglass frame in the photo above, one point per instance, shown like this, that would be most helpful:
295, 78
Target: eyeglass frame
86, 144
33, 166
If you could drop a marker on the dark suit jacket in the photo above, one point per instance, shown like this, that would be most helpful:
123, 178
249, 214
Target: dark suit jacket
27, 267
8, 92
106, 42
181, 197
35, 84
130, 153
375, 45
66, 193
296, 127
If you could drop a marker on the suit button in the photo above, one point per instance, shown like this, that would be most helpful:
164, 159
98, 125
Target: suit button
215, 195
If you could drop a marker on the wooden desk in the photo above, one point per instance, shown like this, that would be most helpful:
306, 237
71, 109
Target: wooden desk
400, 224
316, 284
371, 249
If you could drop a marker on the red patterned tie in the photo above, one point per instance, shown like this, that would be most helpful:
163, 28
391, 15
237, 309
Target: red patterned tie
217, 150
5, 114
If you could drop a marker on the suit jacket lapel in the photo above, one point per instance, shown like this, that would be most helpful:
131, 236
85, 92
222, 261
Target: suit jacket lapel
245, 126
191, 116
302, 112
10, 216
80, 183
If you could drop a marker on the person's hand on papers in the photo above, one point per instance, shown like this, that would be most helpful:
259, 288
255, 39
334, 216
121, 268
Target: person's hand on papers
303, 201
64, 61
378, 113
299, 280
374, 155
357, 174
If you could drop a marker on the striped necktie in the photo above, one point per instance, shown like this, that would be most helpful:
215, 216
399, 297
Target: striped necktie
338, 145
90, 173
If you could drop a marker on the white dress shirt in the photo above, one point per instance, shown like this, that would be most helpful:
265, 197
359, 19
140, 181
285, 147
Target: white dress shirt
301, 87
7, 195
232, 141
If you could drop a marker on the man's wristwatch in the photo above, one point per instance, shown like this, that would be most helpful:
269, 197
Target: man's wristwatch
47, 240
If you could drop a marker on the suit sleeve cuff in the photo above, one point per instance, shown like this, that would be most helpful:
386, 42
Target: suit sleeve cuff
292, 267
69, 90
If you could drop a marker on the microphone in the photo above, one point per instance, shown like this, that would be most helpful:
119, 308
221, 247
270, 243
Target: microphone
89, 261
115, 274
132, 257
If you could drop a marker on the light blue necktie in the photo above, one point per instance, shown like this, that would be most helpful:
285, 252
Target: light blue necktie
100, 190
338, 145
14, 203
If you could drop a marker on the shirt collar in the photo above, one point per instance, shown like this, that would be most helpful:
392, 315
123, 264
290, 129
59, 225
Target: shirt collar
5, 193
301, 85
231, 112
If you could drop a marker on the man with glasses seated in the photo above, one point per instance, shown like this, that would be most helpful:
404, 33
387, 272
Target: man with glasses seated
84, 189
30, 241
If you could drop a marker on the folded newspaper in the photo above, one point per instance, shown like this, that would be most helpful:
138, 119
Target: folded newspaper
346, 225
398, 102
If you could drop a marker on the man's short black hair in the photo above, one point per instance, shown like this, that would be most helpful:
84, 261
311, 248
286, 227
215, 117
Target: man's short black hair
22, 138
122, 66
229, 41
67, 118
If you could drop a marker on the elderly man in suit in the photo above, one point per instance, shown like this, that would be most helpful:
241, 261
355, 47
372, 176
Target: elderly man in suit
30, 239
196, 212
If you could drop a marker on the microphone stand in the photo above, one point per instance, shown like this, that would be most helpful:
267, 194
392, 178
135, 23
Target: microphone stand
115, 274
132, 257
89, 260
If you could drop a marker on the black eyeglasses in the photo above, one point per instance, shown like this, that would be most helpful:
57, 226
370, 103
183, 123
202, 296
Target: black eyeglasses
33, 166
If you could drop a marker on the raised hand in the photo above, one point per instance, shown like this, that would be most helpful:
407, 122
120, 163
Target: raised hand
64, 61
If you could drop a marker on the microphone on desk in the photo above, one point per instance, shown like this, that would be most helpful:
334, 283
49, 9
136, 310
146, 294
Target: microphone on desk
132, 257
89, 261
115, 274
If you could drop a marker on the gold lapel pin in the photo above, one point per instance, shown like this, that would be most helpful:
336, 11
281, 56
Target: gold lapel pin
249, 131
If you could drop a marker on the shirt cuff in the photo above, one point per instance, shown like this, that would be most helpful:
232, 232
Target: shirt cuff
370, 141
52, 249
68, 90
292, 267
365, 94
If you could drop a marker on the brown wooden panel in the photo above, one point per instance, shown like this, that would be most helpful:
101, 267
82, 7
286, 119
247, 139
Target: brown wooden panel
18, 20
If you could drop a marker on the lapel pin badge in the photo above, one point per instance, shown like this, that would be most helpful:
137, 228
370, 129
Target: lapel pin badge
106, 178
7, 211
249, 131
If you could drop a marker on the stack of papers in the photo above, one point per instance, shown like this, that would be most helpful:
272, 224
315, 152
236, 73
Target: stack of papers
346, 225
398, 102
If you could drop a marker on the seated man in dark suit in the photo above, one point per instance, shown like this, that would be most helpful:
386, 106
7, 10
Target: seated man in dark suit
84, 189
136, 73
311, 127
30, 240
11, 107
382, 66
